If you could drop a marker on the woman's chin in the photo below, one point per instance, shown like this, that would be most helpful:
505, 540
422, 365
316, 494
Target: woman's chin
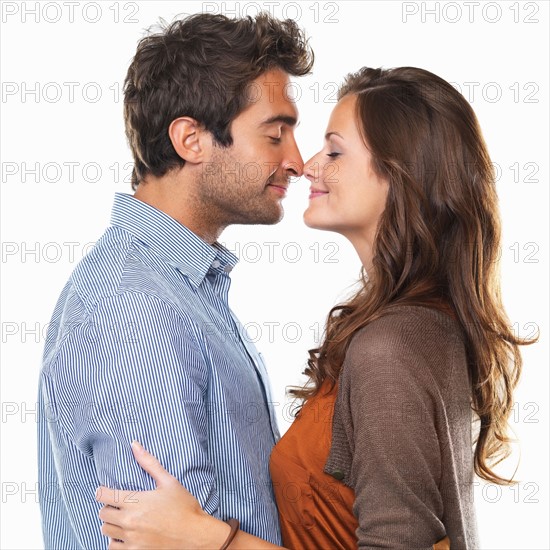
309, 219
316, 222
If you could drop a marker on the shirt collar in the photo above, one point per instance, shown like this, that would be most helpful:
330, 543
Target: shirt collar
177, 244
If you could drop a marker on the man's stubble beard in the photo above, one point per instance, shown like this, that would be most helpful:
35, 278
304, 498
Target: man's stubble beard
225, 197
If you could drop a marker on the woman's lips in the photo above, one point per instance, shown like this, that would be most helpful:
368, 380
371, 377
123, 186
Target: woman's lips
314, 193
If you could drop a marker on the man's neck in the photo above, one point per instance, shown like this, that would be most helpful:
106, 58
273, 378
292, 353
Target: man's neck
164, 196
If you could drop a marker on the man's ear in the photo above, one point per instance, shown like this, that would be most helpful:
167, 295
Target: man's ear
190, 140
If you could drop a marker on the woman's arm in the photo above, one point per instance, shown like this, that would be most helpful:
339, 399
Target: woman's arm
169, 517
389, 413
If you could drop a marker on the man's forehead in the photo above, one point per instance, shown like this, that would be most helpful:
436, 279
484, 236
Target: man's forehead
271, 100
275, 85
272, 75
273, 110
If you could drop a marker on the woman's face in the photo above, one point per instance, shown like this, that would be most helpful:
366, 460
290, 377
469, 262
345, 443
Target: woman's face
346, 195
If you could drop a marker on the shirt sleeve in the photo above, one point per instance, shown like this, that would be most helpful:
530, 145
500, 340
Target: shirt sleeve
134, 370
396, 461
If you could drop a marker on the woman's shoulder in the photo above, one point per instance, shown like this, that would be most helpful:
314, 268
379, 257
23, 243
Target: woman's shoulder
402, 335
406, 323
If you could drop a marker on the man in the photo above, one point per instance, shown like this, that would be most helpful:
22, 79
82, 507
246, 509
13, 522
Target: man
142, 343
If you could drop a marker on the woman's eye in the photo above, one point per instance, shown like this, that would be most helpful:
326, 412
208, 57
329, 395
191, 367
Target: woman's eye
275, 139
333, 155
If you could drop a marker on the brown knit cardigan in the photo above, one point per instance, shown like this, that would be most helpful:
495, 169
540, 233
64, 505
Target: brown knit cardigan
402, 432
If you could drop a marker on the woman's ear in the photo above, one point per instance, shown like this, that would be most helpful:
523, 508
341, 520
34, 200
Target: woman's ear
188, 139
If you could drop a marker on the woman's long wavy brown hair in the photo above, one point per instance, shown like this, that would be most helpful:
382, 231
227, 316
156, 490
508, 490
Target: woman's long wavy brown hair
437, 242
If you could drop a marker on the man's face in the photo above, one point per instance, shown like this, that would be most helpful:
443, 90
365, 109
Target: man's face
246, 183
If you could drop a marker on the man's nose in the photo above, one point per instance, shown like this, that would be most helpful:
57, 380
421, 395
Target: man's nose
294, 163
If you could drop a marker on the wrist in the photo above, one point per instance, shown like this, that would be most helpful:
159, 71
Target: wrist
214, 532
234, 524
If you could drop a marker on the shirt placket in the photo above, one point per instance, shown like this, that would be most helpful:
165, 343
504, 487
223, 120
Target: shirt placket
220, 282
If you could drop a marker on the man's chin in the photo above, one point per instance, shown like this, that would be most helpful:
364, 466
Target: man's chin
270, 217
267, 220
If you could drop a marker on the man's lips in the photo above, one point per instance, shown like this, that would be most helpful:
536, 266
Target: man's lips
314, 193
280, 188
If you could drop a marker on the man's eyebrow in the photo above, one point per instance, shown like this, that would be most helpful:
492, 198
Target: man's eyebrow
328, 134
285, 119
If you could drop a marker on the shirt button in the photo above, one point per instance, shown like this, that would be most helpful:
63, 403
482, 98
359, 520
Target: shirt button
216, 264
337, 474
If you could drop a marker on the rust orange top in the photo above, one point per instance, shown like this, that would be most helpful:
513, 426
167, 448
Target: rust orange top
315, 509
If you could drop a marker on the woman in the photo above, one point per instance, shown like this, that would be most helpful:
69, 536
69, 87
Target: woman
381, 452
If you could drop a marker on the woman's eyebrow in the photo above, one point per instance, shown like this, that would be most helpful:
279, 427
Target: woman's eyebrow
328, 134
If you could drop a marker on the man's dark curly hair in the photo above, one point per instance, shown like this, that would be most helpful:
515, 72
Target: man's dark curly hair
201, 67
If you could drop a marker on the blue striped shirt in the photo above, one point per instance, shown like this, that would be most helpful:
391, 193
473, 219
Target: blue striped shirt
143, 345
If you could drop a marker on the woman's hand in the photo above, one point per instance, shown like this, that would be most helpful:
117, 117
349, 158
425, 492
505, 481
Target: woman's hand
169, 517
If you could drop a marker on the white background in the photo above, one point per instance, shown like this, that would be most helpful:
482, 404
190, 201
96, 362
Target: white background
496, 52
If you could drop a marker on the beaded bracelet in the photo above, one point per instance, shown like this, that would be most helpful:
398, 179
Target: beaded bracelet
234, 524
